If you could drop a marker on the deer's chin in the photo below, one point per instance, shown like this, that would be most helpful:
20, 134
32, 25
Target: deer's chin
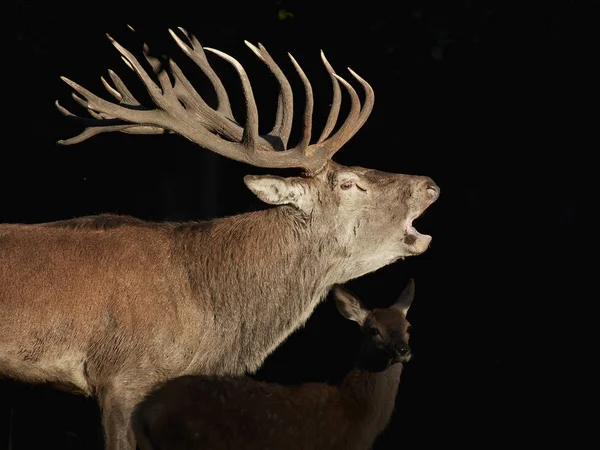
401, 359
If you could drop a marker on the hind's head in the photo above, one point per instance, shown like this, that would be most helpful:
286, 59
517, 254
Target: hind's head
386, 331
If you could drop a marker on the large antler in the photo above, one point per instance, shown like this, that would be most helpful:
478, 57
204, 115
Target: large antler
180, 109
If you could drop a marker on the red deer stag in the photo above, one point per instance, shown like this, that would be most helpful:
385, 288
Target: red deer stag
111, 305
213, 413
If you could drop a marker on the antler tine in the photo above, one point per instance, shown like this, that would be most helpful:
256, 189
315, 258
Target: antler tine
196, 53
250, 136
335, 142
111, 90
161, 74
155, 92
126, 96
335, 103
345, 131
108, 125
368, 103
91, 112
285, 101
100, 105
308, 107
357, 115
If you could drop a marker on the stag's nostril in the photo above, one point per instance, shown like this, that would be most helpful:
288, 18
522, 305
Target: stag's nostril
433, 190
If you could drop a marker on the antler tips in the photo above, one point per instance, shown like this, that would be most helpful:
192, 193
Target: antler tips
326, 62
62, 109
110, 38
256, 50
354, 74
69, 82
219, 53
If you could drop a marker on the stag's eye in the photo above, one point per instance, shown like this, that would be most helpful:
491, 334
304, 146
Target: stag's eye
409, 329
347, 185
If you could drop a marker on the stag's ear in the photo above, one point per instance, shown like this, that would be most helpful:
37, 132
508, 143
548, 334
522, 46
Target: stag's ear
406, 297
277, 190
349, 306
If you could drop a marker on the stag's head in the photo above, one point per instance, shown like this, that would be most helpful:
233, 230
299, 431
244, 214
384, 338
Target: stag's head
385, 330
369, 212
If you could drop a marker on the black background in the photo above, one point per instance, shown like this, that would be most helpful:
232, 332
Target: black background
497, 102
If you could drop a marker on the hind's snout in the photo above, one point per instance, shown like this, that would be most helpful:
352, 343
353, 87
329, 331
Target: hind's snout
403, 353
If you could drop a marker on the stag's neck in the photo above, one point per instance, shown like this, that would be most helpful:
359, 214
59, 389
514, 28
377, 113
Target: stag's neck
373, 394
263, 273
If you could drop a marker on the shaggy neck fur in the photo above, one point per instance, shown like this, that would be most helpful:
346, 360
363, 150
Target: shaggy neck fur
274, 276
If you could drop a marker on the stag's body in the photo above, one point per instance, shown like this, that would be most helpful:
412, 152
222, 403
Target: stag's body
110, 306
217, 413
115, 292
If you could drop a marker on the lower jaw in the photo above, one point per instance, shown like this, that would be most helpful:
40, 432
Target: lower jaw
417, 243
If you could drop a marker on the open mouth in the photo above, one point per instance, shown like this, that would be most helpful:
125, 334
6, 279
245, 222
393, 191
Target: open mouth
417, 241
412, 235
411, 230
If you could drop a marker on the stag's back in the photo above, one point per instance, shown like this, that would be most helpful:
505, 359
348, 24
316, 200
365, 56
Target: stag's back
76, 294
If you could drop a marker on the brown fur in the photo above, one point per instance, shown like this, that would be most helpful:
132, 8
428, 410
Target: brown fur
216, 413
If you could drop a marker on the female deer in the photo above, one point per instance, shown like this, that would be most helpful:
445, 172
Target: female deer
204, 412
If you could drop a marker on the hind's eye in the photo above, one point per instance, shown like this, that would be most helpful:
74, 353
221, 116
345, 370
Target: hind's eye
374, 331
409, 329
347, 185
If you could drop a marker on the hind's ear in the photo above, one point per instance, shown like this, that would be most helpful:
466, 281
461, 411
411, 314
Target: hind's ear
349, 305
406, 297
276, 190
